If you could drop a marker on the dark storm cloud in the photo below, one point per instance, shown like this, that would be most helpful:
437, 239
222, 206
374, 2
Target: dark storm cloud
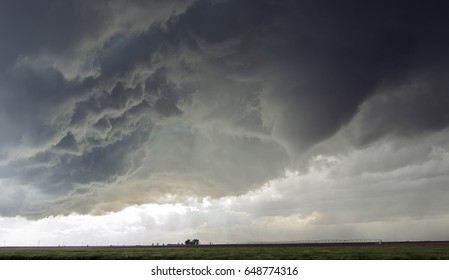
121, 55
415, 108
28, 95
29, 28
59, 135
320, 59
68, 143
226, 93
164, 92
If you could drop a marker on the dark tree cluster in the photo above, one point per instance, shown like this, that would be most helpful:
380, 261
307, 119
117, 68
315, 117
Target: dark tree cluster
192, 242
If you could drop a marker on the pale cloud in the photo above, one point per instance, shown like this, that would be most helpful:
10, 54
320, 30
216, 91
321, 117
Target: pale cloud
336, 198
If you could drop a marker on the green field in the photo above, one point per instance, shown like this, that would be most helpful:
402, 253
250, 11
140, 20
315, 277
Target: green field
386, 251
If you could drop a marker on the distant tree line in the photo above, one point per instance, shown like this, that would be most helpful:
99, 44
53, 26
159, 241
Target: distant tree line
192, 242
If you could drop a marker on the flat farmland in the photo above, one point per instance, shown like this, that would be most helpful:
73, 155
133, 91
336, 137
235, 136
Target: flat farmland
384, 251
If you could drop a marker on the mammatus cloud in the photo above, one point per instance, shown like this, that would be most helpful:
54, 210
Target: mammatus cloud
109, 105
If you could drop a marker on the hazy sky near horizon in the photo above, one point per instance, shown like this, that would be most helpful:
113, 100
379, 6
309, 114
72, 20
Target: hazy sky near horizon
225, 120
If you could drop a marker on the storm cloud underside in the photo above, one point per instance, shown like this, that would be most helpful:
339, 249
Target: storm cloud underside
110, 104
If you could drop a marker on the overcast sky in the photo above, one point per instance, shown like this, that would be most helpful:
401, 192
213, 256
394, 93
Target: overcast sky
137, 122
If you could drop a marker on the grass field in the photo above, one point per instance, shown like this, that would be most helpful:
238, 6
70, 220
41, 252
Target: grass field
386, 251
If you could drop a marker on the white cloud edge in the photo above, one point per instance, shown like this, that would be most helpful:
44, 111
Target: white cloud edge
338, 198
